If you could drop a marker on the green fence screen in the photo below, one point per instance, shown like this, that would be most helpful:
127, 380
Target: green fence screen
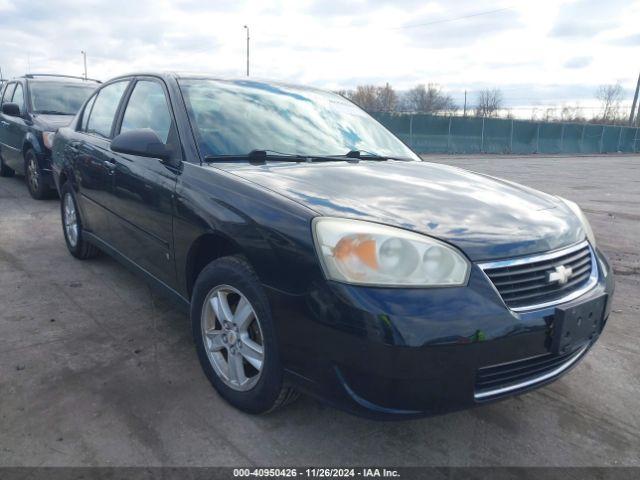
439, 134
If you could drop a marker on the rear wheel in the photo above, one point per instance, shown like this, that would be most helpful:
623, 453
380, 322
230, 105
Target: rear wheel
72, 226
235, 338
33, 175
4, 170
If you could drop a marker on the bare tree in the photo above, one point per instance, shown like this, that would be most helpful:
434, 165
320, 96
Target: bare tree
387, 99
610, 97
570, 113
549, 114
374, 99
489, 103
365, 97
429, 99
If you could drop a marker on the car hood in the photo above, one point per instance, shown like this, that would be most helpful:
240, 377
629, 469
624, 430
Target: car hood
487, 218
51, 123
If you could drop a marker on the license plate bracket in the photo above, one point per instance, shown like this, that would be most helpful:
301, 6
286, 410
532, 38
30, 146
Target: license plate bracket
577, 324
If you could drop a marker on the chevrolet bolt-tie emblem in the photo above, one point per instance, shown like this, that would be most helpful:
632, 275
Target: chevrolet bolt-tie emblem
561, 275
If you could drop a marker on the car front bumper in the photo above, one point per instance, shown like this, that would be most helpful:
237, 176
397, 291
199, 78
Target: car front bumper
383, 352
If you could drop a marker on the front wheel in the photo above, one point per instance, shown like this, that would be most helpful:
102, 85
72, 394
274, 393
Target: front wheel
235, 337
33, 174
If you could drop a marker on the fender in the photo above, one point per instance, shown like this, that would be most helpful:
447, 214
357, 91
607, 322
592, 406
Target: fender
210, 202
35, 143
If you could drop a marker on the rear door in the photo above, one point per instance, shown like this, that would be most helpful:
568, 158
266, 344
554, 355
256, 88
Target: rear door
142, 202
14, 132
4, 123
93, 159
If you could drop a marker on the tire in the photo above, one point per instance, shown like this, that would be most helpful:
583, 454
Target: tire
76, 244
4, 170
38, 189
230, 280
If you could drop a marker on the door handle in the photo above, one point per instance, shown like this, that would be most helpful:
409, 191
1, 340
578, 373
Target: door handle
110, 163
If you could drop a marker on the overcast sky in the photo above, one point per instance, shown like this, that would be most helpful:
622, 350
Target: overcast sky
537, 52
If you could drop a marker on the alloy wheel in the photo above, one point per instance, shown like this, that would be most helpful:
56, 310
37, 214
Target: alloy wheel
232, 337
33, 175
70, 220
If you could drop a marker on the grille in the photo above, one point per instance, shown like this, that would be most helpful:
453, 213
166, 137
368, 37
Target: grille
525, 283
500, 379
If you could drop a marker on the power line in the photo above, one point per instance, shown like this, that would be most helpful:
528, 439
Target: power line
453, 19
426, 24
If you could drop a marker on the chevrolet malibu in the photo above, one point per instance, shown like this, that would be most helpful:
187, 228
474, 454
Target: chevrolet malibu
317, 253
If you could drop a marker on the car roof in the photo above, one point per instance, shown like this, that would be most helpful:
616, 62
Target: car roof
54, 78
210, 76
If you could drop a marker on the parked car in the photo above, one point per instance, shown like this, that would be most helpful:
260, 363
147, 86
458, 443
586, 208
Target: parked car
317, 253
33, 108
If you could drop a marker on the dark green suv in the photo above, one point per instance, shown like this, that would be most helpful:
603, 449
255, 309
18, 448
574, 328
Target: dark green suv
33, 108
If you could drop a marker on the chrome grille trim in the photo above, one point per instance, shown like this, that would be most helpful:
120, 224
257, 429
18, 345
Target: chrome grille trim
571, 295
486, 394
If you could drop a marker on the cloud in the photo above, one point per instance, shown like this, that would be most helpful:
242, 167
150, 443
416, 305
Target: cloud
587, 18
627, 41
556, 48
578, 62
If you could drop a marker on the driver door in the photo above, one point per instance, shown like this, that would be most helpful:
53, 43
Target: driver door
143, 188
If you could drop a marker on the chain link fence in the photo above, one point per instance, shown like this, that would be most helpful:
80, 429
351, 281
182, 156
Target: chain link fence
440, 134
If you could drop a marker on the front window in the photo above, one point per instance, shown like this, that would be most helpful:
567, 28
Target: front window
58, 98
147, 108
236, 117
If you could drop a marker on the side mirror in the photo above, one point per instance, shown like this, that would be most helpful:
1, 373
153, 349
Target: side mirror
142, 142
11, 109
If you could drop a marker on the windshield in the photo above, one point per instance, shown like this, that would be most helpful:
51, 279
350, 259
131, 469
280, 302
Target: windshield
59, 98
236, 117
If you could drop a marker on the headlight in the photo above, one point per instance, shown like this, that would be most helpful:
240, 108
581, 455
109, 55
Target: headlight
364, 253
585, 223
47, 138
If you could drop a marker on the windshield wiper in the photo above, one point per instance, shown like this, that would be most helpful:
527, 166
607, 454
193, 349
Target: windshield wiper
261, 156
366, 155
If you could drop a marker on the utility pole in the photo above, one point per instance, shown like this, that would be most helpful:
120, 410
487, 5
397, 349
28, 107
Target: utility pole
84, 57
246, 27
465, 104
635, 100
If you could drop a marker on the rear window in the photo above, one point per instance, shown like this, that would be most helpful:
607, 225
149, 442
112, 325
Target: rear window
104, 109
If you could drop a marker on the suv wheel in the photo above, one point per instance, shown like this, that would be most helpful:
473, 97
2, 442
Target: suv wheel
72, 226
235, 338
4, 170
35, 183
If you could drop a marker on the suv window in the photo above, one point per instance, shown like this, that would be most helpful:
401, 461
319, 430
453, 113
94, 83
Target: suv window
148, 108
6, 96
18, 97
104, 109
58, 98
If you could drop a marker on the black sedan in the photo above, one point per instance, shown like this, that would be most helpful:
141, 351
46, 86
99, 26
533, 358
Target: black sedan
317, 253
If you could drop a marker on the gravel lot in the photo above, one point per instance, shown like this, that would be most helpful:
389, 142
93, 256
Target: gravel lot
96, 369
